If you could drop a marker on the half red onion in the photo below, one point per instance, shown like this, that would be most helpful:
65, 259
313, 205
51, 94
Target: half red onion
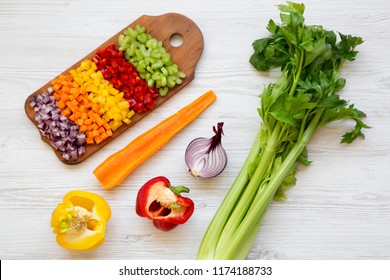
206, 157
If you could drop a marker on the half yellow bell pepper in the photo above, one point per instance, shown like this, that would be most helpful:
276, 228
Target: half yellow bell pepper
80, 220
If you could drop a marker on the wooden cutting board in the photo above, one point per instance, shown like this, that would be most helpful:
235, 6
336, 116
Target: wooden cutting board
162, 28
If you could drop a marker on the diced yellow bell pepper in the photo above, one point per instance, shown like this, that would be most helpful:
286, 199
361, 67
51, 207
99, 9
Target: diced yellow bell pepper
114, 109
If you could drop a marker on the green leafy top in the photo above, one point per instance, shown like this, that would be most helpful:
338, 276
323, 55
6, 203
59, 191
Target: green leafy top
310, 58
306, 95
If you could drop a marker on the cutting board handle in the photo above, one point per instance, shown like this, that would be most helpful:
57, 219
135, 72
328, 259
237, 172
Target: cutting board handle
163, 27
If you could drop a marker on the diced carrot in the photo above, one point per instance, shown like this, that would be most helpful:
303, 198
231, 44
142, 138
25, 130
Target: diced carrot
64, 89
83, 128
74, 103
66, 112
68, 78
77, 115
98, 139
104, 135
79, 122
84, 116
99, 121
64, 98
88, 122
56, 87
61, 104
89, 134
95, 108
101, 130
89, 140
80, 98
56, 96
106, 126
95, 126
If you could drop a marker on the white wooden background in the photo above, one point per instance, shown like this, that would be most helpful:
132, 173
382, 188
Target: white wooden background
340, 207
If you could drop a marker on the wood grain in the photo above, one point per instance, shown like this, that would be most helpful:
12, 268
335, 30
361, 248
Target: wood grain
162, 28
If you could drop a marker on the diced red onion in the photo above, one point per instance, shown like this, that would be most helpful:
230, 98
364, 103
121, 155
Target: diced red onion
205, 157
63, 133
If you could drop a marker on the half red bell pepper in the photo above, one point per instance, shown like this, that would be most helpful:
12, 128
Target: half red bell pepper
162, 203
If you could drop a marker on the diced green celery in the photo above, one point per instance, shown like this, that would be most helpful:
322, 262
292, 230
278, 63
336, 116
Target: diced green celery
156, 76
165, 57
163, 91
181, 74
164, 71
132, 33
155, 54
139, 54
150, 69
171, 70
141, 67
127, 39
157, 64
171, 81
121, 39
150, 82
152, 43
129, 52
163, 81
144, 51
149, 60
125, 46
152, 61
140, 29
142, 38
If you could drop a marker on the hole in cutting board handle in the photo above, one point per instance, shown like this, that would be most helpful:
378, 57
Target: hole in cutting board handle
176, 40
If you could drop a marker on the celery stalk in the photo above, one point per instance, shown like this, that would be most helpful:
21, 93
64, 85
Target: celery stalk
210, 239
292, 109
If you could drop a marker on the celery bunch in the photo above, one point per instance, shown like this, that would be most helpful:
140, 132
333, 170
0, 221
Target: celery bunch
303, 99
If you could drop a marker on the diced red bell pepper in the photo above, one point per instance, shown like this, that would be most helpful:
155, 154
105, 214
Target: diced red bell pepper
162, 203
124, 77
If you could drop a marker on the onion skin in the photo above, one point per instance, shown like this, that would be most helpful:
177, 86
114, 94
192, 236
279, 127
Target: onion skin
206, 157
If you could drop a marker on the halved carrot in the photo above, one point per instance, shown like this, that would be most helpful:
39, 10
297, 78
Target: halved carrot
119, 165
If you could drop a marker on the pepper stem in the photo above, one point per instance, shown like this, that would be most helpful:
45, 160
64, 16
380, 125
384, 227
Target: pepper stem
179, 189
